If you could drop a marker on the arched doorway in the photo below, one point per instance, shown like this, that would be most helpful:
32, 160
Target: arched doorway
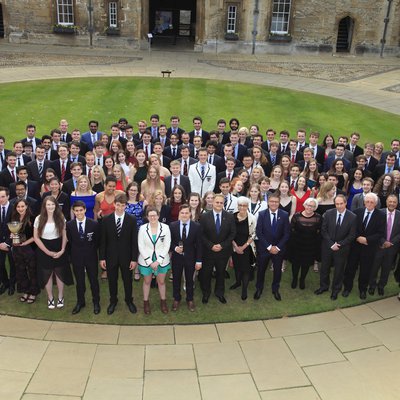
345, 35
1, 21
172, 23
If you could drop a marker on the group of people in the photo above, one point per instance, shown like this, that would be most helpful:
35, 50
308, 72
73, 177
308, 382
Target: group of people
166, 203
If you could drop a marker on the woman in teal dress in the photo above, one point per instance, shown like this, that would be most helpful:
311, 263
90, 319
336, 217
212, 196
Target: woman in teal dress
154, 242
84, 192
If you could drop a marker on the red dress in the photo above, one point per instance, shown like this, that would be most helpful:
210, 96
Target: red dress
300, 200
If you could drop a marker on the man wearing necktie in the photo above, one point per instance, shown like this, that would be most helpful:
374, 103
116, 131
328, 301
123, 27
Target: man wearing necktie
338, 233
202, 175
370, 225
218, 231
154, 120
273, 232
9, 174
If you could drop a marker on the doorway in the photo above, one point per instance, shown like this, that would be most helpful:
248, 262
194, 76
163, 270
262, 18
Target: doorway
1, 21
172, 24
345, 35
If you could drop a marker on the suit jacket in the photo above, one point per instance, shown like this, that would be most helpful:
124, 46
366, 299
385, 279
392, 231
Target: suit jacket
159, 248
192, 246
80, 159
241, 152
372, 163
218, 163
210, 237
197, 183
277, 159
165, 144
320, 155
384, 155
68, 138
83, 251
180, 131
329, 161
374, 231
33, 170
280, 150
345, 235
84, 148
68, 187
380, 170
302, 164
266, 237
118, 250
183, 181
87, 138
221, 175
358, 202
298, 156
37, 141
6, 179
122, 140
395, 234
4, 231
4, 163
205, 137
357, 151
168, 153
52, 155
32, 187
165, 161
348, 155
57, 168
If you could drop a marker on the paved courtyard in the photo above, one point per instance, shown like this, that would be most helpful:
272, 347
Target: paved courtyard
345, 354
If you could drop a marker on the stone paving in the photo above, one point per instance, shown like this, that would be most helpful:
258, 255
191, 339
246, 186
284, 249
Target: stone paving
345, 354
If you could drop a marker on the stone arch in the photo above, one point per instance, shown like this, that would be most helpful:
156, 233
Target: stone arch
345, 31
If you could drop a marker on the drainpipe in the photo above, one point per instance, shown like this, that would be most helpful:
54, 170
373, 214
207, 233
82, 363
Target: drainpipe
90, 10
386, 21
256, 13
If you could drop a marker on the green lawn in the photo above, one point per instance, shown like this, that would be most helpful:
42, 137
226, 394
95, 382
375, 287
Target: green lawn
44, 103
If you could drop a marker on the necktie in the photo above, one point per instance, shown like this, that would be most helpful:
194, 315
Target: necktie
3, 216
81, 234
40, 170
265, 197
210, 160
154, 133
202, 172
218, 224
185, 168
273, 160
293, 158
273, 226
196, 155
184, 233
225, 201
365, 222
175, 181
19, 161
147, 151
338, 223
174, 152
13, 175
228, 175
62, 171
292, 184
389, 227
90, 173
1, 158
119, 227
47, 156
63, 138
98, 161
93, 138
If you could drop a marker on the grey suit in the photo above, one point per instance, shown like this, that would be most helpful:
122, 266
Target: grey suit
385, 258
358, 202
344, 236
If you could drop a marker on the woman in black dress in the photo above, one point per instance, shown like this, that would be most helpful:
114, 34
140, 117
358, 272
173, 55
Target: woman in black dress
24, 254
51, 240
61, 197
304, 241
244, 239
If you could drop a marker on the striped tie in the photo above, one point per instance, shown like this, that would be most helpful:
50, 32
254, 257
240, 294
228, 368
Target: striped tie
119, 227
40, 170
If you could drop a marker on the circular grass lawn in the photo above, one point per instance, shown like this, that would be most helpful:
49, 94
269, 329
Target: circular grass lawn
44, 103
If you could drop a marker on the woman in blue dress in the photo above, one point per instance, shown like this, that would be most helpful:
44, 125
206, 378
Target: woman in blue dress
355, 186
84, 192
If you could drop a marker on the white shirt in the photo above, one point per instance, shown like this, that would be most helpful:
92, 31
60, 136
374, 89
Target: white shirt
119, 217
81, 222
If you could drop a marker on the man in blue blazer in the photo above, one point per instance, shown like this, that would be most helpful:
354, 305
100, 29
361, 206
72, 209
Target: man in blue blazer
273, 232
186, 249
92, 135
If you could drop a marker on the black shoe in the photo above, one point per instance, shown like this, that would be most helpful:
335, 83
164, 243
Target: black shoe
11, 290
77, 309
132, 307
294, 284
277, 296
244, 297
227, 276
302, 284
345, 293
221, 299
111, 308
381, 291
96, 308
257, 294
320, 291
371, 291
363, 295
205, 298
235, 286
3, 288
334, 296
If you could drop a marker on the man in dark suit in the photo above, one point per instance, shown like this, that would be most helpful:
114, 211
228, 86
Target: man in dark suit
176, 178
273, 232
358, 199
385, 168
353, 146
163, 138
83, 146
7, 282
21, 193
266, 145
174, 128
18, 149
49, 153
229, 172
389, 245
70, 184
83, 238
198, 131
9, 174
116, 137
37, 168
318, 151
338, 233
239, 151
273, 155
218, 231
301, 140
186, 161
3, 152
370, 225
65, 135
164, 160
32, 187
172, 151
62, 166
74, 152
30, 137
186, 249
395, 149
372, 162
92, 135
339, 154
119, 251
146, 144
213, 158
295, 156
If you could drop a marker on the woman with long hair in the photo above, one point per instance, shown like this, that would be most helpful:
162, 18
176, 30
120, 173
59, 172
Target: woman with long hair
322, 178
383, 187
51, 239
84, 192
97, 179
311, 173
236, 187
328, 143
50, 173
261, 160
115, 148
288, 201
61, 197
207, 202
286, 165
158, 200
338, 168
244, 176
378, 150
176, 199
194, 202
139, 169
154, 160
122, 180
301, 193
108, 165
354, 186
24, 253
130, 151
257, 173
326, 197
121, 160
276, 178
152, 183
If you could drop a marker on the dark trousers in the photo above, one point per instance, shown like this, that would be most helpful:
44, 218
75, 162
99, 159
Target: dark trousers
362, 256
337, 260
26, 272
79, 273
384, 260
303, 269
219, 262
277, 260
4, 278
112, 275
241, 263
177, 270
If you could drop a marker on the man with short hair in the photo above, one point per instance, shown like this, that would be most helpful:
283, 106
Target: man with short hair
301, 140
230, 202
55, 139
142, 128
338, 233
353, 146
239, 150
18, 149
9, 174
202, 175
186, 161
387, 167
89, 164
174, 128
198, 131
372, 162
158, 149
318, 151
358, 200
32, 187
162, 136
20, 190
176, 178
99, 151
146, 144
394, 148
370, 225
213, 158
92, 135
116, 137
63, 127
338, 153
30, 136
62, 166
49, 153
3, 153
153, 128
283, 142
228, 173
74, 152
119, 251
37, 168
270, 134
83, 147
69, 185
172, 151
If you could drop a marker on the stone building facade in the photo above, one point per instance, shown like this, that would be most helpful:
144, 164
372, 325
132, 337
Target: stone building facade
245, 26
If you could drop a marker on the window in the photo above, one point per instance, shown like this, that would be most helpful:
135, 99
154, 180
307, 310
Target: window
231, 21
65, 12
280, 16
112, 14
